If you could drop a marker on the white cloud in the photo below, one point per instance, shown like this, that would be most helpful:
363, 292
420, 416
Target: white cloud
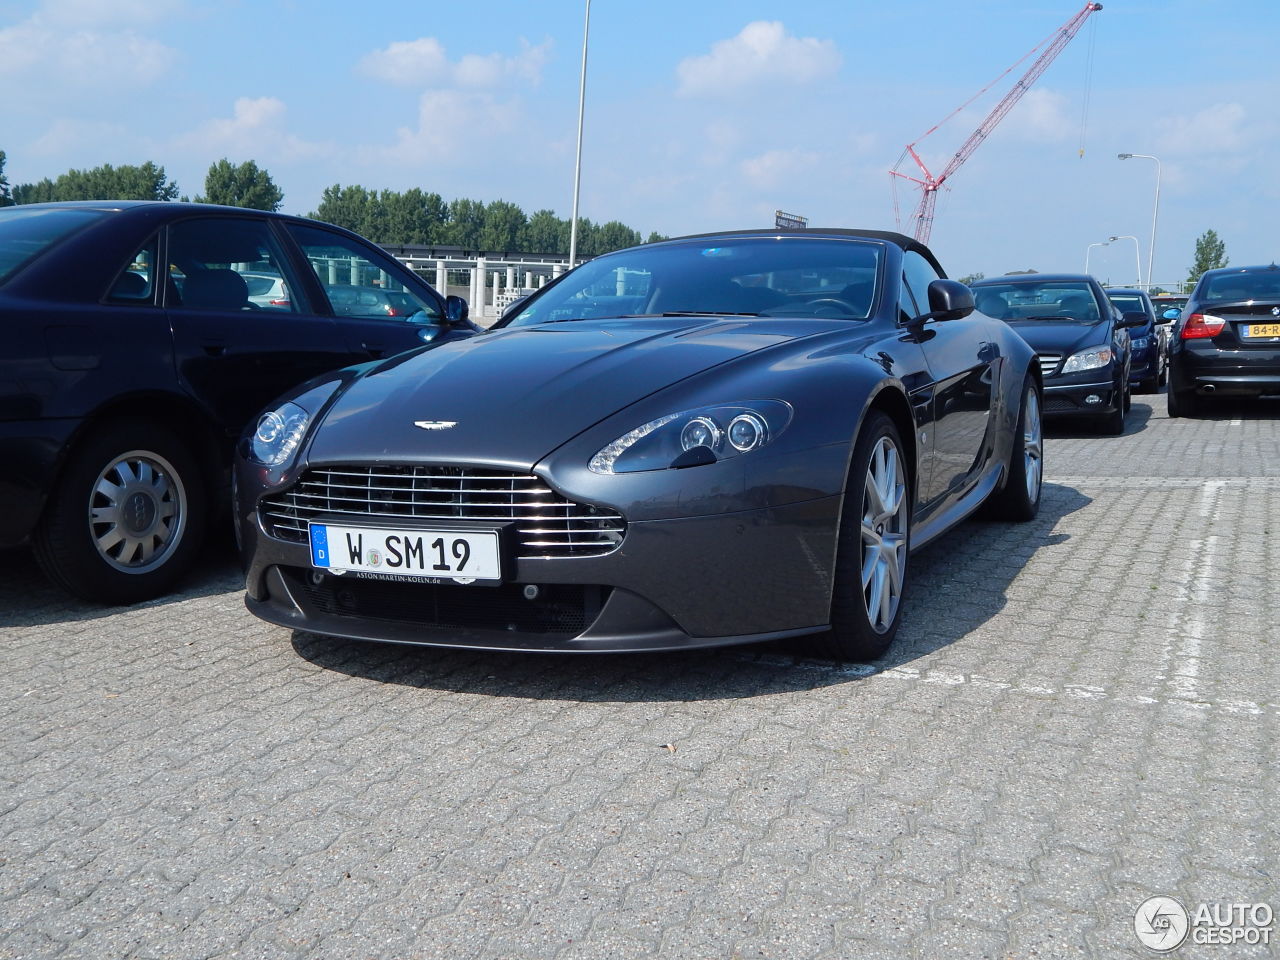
777, 167
256, 128
480, 114
66, 135
1220, 129
763, 52
424, 63
60, 47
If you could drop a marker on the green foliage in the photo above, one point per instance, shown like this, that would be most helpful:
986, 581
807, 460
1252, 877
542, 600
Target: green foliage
969, 278
242, 186
6, 197
1211, 253
145, 182
656, 237
417, 217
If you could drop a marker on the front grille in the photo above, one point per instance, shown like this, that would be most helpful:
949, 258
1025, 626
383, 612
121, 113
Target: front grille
546, 524
565, 609
1049, 363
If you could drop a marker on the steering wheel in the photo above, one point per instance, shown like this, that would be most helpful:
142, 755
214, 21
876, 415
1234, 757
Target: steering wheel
833, 302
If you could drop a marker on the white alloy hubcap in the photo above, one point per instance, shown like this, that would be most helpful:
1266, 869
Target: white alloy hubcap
884, 534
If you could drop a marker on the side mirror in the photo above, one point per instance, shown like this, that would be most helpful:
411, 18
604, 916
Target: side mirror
456, 310
948, 300
1134, 318
1170, 315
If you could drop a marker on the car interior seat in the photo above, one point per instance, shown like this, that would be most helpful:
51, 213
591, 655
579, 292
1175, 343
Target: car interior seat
218, 289
993, 305
1078, 306
858, 295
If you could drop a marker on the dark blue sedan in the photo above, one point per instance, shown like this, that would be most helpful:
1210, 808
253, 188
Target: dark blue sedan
1149, 368
140, 338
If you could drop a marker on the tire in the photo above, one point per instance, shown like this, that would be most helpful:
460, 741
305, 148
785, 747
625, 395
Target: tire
1152, 383
874, 537
1184, 403
1019, 499
126, 516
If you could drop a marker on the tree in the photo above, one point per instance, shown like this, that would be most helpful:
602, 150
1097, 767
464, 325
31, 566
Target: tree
145, 182
1211, 253
466, 221
614, 235
503, 224
6, 197
972, 278
656, 237
545, 233
242, 186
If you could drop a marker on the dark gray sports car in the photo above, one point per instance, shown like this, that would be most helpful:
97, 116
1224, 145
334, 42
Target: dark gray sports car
716, 439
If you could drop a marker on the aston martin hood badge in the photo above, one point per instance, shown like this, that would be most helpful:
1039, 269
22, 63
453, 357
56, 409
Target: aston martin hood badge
435, 424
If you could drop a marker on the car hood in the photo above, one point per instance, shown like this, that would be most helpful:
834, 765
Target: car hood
512, 396
1045, 336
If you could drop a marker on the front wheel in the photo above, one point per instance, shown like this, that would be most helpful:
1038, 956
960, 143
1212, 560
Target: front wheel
126, 516
872, 551
1019, 499
1113, 422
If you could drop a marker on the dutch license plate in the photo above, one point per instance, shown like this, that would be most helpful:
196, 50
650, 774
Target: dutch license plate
420, 554
1262, 330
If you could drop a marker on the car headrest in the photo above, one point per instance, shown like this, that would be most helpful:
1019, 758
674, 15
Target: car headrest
215, 290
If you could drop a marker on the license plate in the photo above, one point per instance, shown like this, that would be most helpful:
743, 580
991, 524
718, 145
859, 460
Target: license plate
1262, 330
422, 554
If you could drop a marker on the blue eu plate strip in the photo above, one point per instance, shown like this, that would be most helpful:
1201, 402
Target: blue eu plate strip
319, 545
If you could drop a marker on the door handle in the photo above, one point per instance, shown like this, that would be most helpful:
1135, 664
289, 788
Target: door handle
375, 350
215, 349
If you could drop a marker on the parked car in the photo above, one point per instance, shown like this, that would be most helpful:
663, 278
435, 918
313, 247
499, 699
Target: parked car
267, 290
742, 444
1080, 337
135, 353
1227, 342
1148, 340
1169, 305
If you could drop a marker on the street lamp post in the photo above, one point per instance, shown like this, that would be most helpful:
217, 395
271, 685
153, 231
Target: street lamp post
577, 163
1137, 258
1155, 212
1089, 250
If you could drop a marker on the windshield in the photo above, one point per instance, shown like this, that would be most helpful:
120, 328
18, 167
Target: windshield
1129, 304
1048, 300
752, 276
25, 233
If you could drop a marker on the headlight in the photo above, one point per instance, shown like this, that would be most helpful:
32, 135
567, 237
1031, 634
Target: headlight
278, 434
1087, 360
1141, 343
695, 437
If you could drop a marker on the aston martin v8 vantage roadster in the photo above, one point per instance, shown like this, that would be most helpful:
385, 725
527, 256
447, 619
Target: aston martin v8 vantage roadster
715, 439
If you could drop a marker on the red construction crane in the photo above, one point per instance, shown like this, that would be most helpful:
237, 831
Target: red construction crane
929, 186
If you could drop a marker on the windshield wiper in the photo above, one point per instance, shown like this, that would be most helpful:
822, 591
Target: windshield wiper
710, 313
1049, 316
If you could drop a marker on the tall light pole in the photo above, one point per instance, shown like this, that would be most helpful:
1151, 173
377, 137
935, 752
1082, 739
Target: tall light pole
1137, 258
1155, 213
1089, 250
577, 163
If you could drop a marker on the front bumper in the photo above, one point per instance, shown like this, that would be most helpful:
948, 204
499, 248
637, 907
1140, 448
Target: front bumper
1069, 399
1145, 365
672, 584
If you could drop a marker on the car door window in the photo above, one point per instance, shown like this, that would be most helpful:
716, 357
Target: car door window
359, 280
136, 282
918, 273
225, 263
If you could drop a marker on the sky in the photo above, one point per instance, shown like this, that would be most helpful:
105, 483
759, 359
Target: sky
701, 115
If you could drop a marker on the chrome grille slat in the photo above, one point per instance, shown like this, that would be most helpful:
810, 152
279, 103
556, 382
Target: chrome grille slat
546, 524
1049, 362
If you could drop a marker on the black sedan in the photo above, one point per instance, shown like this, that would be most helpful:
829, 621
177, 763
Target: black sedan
1227, 341
710, 440
140, 339
1080, 336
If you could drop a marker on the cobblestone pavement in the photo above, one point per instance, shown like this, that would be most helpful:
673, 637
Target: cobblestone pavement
1080, 713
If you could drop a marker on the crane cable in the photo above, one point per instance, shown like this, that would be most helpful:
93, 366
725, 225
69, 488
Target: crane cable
1088, 83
